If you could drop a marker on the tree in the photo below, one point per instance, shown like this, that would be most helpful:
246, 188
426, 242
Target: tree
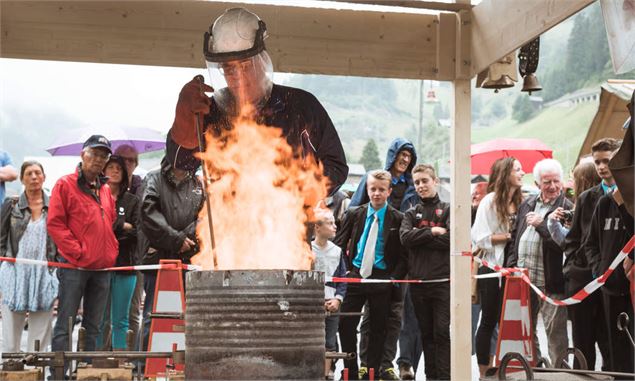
370, 156
498, 108
522, 109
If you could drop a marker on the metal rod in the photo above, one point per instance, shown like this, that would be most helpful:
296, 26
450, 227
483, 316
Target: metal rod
619, 375
95, 354
344, 313
201, 148
166, 315
340, 355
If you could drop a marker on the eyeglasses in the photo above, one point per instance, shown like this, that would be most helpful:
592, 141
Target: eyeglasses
99, 154
235, 68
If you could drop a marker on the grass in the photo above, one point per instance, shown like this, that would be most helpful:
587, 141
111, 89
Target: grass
562, 129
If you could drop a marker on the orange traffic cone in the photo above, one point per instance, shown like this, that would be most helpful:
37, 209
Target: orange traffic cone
515, 332
169, 299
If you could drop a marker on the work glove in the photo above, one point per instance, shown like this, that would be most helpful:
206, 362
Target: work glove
192, 103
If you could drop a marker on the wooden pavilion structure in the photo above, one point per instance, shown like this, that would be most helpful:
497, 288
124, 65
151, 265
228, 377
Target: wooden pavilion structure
417, 39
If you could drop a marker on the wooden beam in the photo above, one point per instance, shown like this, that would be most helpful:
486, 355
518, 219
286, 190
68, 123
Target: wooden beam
501, 26
460, 223
170, 33
416, 4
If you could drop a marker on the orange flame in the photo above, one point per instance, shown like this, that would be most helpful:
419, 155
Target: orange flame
261, 201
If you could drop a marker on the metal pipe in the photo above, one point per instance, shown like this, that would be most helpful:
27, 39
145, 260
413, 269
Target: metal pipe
166, 315
340, 355
199, 135
618, 375
344, 313
94, 354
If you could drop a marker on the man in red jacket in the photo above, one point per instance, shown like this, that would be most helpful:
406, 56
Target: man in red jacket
80, 218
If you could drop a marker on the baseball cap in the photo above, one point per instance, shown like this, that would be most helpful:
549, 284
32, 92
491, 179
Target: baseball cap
98, 141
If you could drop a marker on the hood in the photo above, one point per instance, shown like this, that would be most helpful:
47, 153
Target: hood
396, 146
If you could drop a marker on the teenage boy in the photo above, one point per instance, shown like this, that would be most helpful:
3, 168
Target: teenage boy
587, 318
425, 232
329, 259
370, 236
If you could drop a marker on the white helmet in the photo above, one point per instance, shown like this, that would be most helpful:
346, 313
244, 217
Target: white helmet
239, 66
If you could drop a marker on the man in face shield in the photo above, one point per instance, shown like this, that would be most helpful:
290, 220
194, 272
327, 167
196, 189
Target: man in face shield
241, 70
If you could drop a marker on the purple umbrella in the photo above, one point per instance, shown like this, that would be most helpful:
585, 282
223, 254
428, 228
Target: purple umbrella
142, 139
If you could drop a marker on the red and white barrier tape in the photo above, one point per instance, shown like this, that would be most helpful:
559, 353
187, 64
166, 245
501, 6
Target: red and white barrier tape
362, 280
578, 296
120, 268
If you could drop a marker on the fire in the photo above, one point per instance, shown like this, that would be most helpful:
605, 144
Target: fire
261, 200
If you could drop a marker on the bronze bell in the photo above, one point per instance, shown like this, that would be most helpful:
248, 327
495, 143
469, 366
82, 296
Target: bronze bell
502, 83
530, 83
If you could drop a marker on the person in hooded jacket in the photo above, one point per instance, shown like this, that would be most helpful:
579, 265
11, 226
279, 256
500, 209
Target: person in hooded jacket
172, 199
402, 323
122, 283
425, 232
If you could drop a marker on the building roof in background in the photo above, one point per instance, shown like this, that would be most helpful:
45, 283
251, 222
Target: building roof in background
612, 113
356, 169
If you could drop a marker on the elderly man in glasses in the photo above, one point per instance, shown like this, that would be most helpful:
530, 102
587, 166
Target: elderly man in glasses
80, 218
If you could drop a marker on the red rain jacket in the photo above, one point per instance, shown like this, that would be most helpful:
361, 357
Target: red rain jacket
80, 225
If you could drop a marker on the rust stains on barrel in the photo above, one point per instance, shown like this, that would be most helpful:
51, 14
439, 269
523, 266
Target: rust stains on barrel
254, 324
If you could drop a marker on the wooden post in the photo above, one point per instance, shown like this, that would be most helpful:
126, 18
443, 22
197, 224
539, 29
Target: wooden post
460, 274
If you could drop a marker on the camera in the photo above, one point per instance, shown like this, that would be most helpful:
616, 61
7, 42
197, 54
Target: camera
567, 216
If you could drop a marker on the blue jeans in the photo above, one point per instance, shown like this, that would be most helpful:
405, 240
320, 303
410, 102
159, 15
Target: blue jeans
94, 286
410, 346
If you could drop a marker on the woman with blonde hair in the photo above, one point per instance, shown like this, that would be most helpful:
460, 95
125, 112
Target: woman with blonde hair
490, 233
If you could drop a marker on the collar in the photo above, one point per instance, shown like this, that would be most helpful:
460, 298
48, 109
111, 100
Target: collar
429, 200
380, 213
23, 203
400, 179
607, 188
83, 184
540, 200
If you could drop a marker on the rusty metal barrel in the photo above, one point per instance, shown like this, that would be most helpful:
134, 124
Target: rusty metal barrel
254, 325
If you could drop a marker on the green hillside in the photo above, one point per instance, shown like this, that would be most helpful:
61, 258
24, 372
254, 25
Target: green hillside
562, 129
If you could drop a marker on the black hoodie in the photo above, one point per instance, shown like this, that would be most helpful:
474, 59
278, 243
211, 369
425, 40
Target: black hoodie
611, 228
428, 255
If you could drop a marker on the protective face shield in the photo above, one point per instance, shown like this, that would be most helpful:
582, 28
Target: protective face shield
240, 69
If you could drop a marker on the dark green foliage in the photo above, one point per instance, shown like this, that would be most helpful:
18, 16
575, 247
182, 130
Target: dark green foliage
370, 156
522, 110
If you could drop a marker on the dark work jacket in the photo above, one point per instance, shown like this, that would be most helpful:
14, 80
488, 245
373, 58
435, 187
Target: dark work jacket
611, 228
168, 214
15, 217
303, 121
576, 270
552, 254
353, 228
126, 210
428, 255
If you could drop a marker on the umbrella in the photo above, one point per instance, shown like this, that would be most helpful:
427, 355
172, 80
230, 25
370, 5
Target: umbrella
527, 151
142, 139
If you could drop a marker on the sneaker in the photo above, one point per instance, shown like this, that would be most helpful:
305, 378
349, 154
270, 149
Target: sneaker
388, 374
362, 373
406, 372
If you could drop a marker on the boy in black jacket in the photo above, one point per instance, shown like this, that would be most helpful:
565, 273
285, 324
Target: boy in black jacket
370, 236
611, 228
425, 232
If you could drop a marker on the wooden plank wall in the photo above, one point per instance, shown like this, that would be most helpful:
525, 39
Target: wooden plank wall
170, 33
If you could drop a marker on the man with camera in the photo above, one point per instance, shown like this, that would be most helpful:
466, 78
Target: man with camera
533, 248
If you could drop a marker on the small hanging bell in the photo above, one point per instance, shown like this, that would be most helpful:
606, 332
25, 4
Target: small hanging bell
530, 83
502, 83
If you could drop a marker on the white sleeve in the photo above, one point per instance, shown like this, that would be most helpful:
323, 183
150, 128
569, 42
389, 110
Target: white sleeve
481, 230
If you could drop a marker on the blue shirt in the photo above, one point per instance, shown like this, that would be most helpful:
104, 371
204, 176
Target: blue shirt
397, 180
379, 246
608, 188
5, 160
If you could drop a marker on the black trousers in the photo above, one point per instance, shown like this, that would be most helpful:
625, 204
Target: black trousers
491, 296
432, 308
620, 347
378, 298
588, 326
